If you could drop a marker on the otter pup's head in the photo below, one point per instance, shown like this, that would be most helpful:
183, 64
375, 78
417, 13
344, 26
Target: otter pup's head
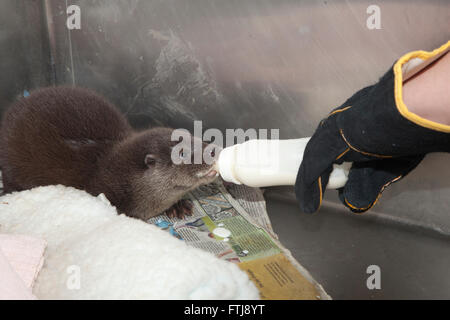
179, 159
160, 165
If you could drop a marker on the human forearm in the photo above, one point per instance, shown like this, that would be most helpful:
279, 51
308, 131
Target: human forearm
427, 94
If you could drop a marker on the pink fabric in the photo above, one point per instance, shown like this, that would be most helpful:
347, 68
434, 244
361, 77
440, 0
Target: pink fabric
21, 258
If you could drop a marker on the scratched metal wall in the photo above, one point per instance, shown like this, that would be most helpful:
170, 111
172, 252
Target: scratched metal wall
232, 64
24, 49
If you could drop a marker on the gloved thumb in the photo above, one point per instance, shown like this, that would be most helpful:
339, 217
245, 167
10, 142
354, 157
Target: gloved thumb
367, 180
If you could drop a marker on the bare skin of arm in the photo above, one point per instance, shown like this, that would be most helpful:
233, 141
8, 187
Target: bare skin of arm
427, 94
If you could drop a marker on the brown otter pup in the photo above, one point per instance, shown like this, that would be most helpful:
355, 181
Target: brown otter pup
74, 137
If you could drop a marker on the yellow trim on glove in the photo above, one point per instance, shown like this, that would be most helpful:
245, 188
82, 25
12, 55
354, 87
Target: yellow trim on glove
321, 192
334, 112
342, 154
338, 110
398, 76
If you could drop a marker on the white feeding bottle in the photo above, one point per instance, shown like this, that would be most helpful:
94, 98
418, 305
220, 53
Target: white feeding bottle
263, 163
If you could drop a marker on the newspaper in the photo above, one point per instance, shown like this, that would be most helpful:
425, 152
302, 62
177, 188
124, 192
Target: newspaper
215, 208
249, 239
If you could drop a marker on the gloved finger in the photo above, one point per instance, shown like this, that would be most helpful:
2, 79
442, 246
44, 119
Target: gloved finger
321, 151
309, 196
367, 180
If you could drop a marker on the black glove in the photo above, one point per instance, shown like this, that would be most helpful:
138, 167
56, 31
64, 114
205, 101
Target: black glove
374, 130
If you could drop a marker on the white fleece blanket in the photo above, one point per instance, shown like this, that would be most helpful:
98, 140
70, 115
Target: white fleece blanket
94, 253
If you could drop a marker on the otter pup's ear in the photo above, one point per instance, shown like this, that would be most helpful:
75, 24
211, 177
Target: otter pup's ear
150, 160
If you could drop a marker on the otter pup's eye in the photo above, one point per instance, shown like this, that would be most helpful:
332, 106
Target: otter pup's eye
183, 154
150, 160
213, 153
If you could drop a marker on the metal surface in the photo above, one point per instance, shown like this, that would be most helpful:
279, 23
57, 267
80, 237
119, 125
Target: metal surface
337, 248
24, 47
234, 64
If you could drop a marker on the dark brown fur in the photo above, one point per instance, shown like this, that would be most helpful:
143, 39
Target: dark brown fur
74, 137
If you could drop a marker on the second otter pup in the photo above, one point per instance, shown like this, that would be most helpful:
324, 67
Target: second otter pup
74, 137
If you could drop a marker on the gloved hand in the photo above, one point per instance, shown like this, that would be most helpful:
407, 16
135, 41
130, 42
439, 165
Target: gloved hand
375, 130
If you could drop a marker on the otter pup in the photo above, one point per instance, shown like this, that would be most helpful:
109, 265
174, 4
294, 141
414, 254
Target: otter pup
74, 137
